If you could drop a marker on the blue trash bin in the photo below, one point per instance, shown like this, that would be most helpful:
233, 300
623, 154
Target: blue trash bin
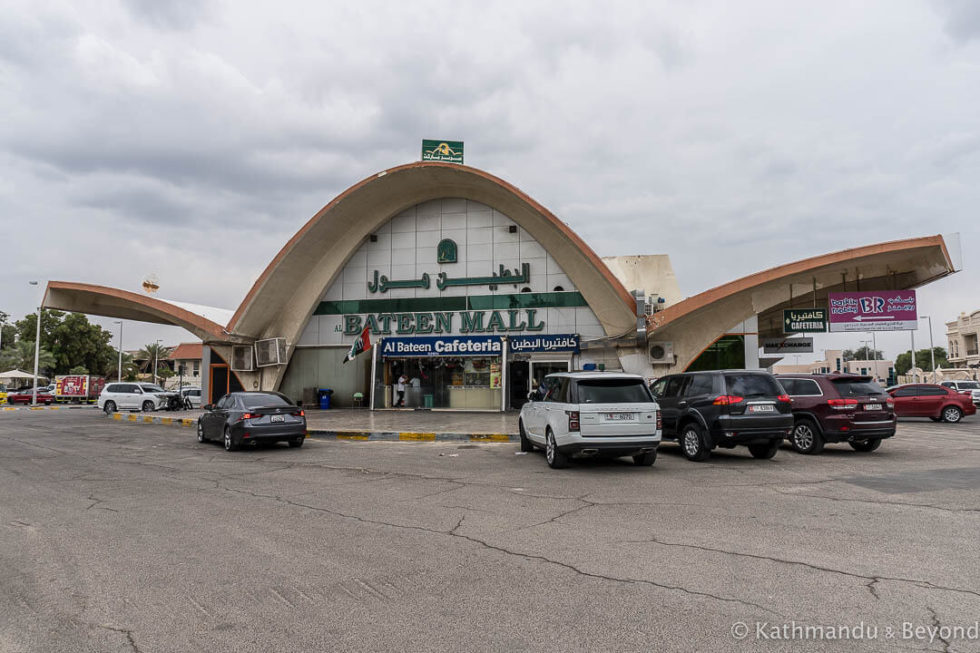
325, 398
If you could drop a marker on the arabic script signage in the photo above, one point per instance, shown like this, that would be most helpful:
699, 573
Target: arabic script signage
449, 151
804, 320
530, 344
446, 346
381, 283
873, 310
444, 322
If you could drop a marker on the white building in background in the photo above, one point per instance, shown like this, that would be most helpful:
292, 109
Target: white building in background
834, 362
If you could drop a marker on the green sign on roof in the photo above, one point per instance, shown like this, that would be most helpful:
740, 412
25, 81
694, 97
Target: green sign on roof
449, 151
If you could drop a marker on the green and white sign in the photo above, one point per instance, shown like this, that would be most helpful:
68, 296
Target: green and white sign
804, 320
449, 151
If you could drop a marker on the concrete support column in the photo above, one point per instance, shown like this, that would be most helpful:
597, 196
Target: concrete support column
751, 330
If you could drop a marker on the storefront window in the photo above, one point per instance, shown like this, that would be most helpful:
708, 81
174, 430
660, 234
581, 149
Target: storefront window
463, 383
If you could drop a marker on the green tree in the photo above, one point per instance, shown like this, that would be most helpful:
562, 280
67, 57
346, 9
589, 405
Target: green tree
21, 356
8, 332
71, 339
864, 353
154, 352
923, 360
129, 368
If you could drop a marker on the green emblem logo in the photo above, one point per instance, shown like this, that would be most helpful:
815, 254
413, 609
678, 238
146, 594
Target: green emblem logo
446, 251
449, 151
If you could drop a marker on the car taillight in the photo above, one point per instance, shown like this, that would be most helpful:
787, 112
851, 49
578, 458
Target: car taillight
573, 423
727, 400
890, 401
784, 399
251, 416
843, 404
299, 414
660, 421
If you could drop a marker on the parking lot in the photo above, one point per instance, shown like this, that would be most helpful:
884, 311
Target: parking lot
133, 537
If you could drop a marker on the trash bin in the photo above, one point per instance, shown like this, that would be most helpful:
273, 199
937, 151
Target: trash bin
324, 394
427, 401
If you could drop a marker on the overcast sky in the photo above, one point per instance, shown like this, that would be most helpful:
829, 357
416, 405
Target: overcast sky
191, 138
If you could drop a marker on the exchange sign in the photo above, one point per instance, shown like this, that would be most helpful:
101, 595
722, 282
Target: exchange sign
804, 320
873, 310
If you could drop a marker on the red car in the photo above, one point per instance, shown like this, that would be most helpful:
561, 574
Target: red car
933, 401
26, 396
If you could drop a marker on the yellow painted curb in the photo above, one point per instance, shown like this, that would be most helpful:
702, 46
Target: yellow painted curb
417, 436
187, 422
117, 416
167, 420
54, 407
133, 418
37, 407
489, 437
353, 436
147, 419
9, 408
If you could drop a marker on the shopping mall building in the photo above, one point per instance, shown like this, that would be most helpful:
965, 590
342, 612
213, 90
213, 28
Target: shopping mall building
473, 291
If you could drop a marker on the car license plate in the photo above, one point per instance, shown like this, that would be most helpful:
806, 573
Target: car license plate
621, 417
278, 418
872, 406
762, 408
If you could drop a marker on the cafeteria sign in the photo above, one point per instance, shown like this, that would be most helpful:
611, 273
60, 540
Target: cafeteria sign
804, 320
449, 151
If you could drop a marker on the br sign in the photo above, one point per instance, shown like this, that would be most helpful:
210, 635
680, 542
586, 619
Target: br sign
873, 310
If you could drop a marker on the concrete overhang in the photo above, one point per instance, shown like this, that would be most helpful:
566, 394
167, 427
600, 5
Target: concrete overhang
694, 323
113, 302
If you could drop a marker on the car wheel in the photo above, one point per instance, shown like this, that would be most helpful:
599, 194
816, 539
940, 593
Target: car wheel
556, 459
525, 442
645, 459
765, 450
865, 445
952, 414
200, 432
806, 438
109, 407
693, 443
147, 406
297, 442
230, 444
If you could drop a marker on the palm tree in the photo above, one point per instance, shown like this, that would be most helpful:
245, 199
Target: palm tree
21, 356
129, 368
154, 352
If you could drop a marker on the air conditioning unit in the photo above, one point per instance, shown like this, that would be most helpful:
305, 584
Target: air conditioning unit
662, 352
271, 351
241, 358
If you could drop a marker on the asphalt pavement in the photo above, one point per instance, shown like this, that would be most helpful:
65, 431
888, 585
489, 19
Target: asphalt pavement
135, 537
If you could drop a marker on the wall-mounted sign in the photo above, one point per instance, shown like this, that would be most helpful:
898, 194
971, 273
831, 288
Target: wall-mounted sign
449, 151
445, 322
804, 320
446, 251
873, 310
531, 344
444, 346
787, 345
381, 283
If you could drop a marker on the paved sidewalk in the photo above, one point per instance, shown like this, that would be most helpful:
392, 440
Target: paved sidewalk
363, 424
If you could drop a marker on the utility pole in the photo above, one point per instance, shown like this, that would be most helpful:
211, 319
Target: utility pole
932, 348
37, 348
119, 370
912, 369
156, 358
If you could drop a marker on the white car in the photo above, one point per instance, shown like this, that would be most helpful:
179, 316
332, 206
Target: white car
581, 414
192, 396
133, 396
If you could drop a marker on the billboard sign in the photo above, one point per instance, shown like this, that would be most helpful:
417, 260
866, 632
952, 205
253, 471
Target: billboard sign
787, 346
449, 151
804, 320
873, 310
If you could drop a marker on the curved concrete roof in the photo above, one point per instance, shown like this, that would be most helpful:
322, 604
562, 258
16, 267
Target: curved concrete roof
280, 302
694, 323
113, 302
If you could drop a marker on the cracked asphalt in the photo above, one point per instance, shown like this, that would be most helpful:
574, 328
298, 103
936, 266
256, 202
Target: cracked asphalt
119, 537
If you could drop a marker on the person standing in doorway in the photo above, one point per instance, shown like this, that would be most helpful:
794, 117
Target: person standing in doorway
400, 388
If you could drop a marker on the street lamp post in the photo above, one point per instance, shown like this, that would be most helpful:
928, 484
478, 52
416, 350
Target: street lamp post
37, 348
912, 369
156, 358
932, 348
119, 369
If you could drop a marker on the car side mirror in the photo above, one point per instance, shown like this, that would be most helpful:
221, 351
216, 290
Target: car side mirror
208, 407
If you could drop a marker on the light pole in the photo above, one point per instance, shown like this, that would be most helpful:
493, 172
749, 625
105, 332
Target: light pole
932, 349
912, 369
119, 370
156, 358
37, 348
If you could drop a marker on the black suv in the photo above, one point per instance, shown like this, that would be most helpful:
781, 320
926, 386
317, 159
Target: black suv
726, 408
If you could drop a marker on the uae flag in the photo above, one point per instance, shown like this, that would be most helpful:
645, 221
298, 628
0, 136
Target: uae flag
362, 344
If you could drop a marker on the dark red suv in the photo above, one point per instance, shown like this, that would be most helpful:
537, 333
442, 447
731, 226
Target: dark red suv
838, 408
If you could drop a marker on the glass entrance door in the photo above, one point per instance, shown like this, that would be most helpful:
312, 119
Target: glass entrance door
541, 369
